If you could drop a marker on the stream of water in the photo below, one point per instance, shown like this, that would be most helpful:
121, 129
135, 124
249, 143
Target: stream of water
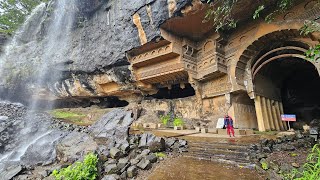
35, 49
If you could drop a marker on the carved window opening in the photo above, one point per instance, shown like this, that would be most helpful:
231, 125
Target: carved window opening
175, 92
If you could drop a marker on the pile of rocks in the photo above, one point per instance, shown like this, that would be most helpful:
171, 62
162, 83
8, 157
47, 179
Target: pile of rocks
283, 143
121, 155
288, 144
125, 160
64, 126
12, 110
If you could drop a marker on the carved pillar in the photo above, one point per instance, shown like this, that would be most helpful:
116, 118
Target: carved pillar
277, 106
282, 112
257, 102
274, 115
265, 113
269, 110
198, 92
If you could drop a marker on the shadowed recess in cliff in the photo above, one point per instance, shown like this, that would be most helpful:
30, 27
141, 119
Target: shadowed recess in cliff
174, 92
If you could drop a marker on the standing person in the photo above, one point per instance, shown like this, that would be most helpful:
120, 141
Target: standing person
228, 123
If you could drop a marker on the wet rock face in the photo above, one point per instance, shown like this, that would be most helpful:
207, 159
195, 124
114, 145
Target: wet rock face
103, 32
25, 139
74, 146
113, 127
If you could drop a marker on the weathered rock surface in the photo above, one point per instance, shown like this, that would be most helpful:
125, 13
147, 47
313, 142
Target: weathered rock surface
154, 143
113, 127
102, 33
25, 138
74, 146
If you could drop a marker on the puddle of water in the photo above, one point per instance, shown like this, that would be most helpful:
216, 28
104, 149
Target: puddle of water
184, 168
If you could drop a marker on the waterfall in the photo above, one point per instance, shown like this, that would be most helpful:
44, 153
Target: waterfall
37, 48
56, 44
37, 53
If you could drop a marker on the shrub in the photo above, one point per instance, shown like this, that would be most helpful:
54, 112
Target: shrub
312, 167
178, 121
86, 170
165, 119
160, 154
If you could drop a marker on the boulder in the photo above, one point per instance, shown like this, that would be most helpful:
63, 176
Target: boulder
115, 153
125, 147
152, 142
3, 118
144, 164
111, 177
152, 158
113, 127
123, 162
10, 171
111, 169
74, 146
170, 142
132, 171
145, 152
43, 150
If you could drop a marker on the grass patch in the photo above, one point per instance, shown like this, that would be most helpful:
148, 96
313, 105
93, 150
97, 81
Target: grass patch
72, 116
160, 154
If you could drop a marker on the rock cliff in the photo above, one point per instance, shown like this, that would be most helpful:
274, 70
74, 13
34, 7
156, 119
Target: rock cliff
93, 63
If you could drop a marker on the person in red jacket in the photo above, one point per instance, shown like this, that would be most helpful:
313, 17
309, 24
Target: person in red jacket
228, 123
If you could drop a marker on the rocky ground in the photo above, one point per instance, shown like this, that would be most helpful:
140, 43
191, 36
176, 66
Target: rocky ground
277, 157
54, 144
32, 145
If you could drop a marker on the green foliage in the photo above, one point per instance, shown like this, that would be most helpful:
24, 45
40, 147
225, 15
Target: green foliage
165, 119
313, 54
257, 12
312, 167
67, 115
264, 165
178, 121
221, 16
310, 27
221, 13
14, 12
160, 154
86, 170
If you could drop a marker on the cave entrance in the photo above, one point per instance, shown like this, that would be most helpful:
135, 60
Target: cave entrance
288, 85
102, 102
176, 91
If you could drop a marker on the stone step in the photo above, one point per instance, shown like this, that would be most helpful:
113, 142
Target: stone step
219, 151
233, 157
218, 145
221, 147
238, 162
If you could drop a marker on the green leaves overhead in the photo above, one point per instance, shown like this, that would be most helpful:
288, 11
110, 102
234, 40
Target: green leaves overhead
220, 12
14, 12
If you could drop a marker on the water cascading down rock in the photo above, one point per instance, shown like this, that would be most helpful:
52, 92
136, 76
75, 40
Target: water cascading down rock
25, 137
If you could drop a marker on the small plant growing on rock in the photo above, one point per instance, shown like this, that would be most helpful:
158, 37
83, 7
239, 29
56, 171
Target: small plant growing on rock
312, 167
86, 170
178, 121
264, 166
165, 119
160, 154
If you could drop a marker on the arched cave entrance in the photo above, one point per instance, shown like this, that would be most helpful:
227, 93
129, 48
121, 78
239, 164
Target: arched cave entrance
285, 83
176, 91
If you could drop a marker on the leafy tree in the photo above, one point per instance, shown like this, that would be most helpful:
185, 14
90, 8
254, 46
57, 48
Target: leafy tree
221, 12
14, 12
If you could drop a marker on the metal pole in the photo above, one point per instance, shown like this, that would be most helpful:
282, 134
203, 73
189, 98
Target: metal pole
289, 125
